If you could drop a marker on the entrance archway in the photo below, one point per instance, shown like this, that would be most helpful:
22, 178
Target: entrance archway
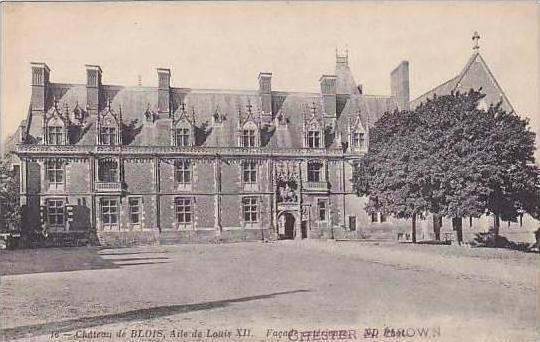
287, 226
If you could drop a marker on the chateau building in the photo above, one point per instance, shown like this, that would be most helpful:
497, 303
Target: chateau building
171, 164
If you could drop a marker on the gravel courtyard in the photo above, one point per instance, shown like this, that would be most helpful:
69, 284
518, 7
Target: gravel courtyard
171, 293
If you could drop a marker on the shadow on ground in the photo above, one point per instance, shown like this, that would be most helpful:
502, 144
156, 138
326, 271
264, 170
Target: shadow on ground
50, 260
128, 316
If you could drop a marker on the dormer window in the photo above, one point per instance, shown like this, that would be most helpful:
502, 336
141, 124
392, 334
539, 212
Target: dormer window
314, 129
357, 135
108, 135
109, 125
358, 140
314, 139
183, 127
55, 135
248, 135
55, 125
182, 136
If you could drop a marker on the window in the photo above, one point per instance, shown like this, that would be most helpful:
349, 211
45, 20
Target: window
383, 217
135, 210
56, 135
248, 138
108, 171
55, 212
314, 172
182, 171
352, 223
374, 217
109, 212
314, 139
108, 135
323, 209
358, 140
55, 172
249, 172
182, 136
183, 210
249, 206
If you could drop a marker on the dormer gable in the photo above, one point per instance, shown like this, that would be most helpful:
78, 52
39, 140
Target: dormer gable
56, 125
314, 126
183, 127
109, 126
358, 135
249, 128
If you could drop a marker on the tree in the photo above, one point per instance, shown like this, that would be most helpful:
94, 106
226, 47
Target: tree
450, 158
391, 173
10, 210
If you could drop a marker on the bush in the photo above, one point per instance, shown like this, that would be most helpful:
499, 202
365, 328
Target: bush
493, 240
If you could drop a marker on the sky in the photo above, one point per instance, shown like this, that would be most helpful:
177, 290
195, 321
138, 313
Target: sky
225, 45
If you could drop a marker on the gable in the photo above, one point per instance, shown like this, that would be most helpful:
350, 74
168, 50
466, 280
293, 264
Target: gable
476, 74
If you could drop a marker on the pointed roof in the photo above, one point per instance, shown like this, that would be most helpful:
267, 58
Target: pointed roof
475, 74
345, 83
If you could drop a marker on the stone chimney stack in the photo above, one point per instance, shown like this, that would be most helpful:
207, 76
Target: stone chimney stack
164, 91
328, 91
265, 92
93, 89
399, 83
40, 85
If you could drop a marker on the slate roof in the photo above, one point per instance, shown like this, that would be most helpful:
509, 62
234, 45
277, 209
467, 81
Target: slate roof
202, 104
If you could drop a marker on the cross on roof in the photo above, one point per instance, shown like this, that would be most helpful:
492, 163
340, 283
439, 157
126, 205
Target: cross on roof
476, 38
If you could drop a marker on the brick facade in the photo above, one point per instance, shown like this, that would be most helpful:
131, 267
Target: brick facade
128, 165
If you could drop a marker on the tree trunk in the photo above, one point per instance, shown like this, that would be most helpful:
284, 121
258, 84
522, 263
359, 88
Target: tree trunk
457, 224
496, 224
437, 226
414, 228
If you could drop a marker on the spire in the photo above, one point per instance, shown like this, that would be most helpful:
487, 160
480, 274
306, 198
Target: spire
476, 38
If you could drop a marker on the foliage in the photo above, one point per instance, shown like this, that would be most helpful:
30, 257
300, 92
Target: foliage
10, 211
451, 158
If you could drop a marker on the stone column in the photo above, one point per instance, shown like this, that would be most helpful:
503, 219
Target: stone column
217, 196
157, 189
298, 223
92, 172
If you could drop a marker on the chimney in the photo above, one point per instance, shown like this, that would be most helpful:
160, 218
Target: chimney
93, 88
399, 83
328, 91
265, 91
164, 90
40, 85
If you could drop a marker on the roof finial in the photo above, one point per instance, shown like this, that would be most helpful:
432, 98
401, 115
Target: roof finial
139, 80
109, 102
476, 38
55, 101
342, 58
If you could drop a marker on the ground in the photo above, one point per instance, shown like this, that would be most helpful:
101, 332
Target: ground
456, 293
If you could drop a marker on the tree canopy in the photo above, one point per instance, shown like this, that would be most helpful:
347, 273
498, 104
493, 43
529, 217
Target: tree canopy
10, 210
449, 157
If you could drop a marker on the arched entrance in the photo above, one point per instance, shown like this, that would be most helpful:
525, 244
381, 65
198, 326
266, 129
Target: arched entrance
287, 226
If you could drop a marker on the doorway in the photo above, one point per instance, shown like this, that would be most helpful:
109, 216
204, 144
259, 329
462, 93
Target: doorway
287, 229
